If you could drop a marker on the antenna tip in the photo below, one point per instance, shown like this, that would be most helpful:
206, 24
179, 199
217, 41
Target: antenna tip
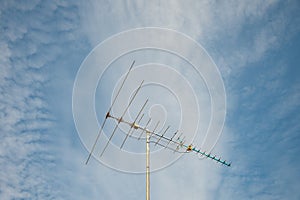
132, 65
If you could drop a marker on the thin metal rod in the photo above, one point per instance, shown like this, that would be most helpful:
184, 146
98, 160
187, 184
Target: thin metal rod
107, 115
116, 127
121, 87
153, 132
131, 100
133, 124
141, 118
172, 138
147, 165
144, 128
94, 145
162, 135
121, 118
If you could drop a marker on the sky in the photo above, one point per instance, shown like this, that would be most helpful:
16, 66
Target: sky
255, 46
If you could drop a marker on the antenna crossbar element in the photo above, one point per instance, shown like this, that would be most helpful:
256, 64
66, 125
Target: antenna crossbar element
141, 118
162, 135
171, 139
121, 118
153, 132
97, 138
108, 113
145, 128
134, 125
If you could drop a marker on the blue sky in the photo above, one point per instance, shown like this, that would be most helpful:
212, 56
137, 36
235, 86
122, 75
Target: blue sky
255, 46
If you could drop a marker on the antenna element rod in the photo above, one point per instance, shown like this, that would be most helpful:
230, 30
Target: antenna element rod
121, 118
107, 115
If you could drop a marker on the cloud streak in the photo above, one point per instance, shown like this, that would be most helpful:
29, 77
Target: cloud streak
29, 46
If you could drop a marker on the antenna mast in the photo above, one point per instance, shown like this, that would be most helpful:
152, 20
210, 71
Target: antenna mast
147, 165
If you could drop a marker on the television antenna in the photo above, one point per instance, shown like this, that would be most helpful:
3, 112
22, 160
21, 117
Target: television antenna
175, 143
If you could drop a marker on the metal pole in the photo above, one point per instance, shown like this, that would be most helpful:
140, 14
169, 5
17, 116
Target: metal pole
147, 165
